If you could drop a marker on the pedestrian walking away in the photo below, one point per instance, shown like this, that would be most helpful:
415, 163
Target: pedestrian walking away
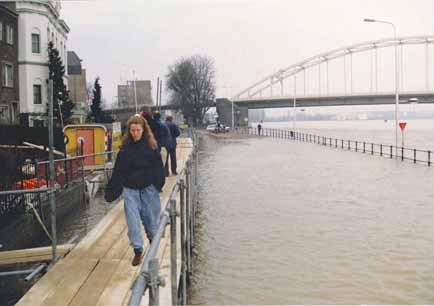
174, 132
155, 127
138, 175
165, 137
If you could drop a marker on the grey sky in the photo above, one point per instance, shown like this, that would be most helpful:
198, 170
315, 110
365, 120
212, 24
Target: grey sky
248, 39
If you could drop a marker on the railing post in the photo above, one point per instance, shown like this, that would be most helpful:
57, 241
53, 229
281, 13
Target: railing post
342, 143
414, 155
402, 153
372, 149
349, 145
391, 152
183, 244
381, 149
173, 266
364, 147
188, 216
356, 145
154, 282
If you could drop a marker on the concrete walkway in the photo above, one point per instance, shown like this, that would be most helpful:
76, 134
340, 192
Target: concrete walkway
98, 270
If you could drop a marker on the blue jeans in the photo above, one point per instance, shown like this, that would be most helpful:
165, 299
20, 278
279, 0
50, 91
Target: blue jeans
141, 205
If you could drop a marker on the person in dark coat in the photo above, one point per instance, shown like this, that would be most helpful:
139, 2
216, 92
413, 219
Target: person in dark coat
165, 139
155, 127
138, 175
174, 132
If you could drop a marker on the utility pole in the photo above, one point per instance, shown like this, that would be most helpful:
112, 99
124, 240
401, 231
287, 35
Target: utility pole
161, 92
52, 189
158, 92
135, 90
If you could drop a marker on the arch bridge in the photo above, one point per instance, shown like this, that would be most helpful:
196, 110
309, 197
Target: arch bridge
360, 74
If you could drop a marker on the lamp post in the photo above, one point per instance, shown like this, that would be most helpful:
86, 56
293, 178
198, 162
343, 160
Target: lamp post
396, 78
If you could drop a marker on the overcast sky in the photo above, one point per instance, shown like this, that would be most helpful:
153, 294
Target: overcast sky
248, 39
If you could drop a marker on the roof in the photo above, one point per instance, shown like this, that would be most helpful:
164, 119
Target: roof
74, 63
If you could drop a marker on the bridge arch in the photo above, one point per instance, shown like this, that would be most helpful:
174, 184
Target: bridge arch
278, 77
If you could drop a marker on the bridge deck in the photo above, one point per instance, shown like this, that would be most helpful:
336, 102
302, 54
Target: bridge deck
98, 270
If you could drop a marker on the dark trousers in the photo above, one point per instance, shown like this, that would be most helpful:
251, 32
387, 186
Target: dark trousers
172, 154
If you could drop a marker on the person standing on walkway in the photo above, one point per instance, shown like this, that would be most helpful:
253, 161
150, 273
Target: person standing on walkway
174, 132
138, 175
259, 128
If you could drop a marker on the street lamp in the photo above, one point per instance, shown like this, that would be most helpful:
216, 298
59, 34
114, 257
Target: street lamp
396, 77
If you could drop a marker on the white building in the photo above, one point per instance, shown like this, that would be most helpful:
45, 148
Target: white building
38, 23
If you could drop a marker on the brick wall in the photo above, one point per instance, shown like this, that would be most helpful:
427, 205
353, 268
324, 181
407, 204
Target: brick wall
9, 96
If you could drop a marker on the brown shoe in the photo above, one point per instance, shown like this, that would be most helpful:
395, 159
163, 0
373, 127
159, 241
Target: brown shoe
137, 259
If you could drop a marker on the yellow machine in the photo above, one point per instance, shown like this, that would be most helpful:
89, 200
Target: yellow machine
86, 139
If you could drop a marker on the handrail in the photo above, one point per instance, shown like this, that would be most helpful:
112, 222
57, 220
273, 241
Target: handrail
385, 150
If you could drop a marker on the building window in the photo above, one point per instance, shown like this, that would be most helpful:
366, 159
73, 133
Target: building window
36, 43
38, 123
7, 76
9, 35
37, 94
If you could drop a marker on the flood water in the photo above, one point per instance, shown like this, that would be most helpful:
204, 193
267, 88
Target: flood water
286, 222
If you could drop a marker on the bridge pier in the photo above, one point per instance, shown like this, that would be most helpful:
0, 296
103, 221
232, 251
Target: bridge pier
224, 111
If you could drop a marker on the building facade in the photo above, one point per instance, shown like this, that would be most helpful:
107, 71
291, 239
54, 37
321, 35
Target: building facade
39, 23
140, 90
77, 88
9, 86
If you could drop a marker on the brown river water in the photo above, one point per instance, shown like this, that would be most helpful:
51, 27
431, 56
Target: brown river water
284, 222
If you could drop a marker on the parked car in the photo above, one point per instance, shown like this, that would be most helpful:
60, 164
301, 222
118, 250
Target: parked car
211, 128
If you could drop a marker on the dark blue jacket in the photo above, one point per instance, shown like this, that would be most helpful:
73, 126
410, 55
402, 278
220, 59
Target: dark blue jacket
165, 136
174, 132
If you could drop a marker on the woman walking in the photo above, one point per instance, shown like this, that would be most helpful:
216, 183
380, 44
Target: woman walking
138, 175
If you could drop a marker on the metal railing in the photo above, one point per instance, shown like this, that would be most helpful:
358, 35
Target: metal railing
149, 278
389, 151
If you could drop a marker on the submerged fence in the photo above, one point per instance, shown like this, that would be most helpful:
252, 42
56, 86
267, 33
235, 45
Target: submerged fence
186, 191
389, 151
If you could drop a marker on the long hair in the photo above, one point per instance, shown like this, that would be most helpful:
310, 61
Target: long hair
147, 132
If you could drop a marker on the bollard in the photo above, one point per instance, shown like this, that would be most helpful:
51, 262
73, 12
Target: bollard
173, 267
381, 149
356, 145
349, 145
364, 147
391, 152
429, 158
342, 143
414, 155
372, 149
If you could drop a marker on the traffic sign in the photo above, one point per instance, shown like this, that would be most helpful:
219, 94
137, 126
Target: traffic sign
402, 125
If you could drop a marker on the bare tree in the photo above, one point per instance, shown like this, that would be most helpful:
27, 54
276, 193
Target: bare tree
191, 84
